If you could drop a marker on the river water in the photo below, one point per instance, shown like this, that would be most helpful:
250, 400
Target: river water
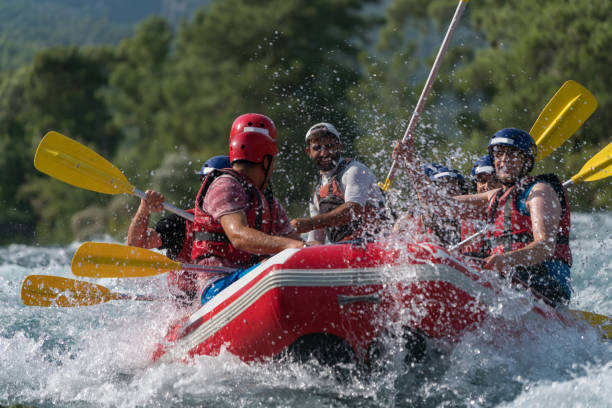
99, 356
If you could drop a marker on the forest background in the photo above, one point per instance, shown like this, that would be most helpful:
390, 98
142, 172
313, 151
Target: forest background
153, 85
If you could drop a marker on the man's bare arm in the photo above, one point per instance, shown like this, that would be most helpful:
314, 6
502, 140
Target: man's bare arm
340, 215
251, 240
139, 233
473, 206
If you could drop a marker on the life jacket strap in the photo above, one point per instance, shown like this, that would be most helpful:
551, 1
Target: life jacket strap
210, 236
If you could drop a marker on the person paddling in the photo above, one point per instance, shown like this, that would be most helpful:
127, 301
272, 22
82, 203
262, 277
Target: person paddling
422, 223
347, 203
530, 217
172, 233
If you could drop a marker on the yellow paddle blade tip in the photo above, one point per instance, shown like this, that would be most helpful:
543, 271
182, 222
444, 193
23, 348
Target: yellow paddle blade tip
601, 322
71, 162
385, 186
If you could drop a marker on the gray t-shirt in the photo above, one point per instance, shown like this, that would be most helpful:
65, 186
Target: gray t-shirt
357, 182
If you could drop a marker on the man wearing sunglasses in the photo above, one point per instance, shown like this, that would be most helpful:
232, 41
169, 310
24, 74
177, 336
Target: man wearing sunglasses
347, 204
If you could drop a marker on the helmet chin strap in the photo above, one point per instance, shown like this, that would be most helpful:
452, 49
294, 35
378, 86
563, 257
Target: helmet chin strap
508, 184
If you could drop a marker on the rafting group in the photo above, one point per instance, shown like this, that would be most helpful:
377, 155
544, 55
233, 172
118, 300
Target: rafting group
237, 222
253, 282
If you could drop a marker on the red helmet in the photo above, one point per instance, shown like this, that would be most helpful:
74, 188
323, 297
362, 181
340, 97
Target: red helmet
253, 136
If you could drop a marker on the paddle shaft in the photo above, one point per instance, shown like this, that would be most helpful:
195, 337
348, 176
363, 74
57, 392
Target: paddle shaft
181, 213
469, 239
427, 88
220, 270
144, 298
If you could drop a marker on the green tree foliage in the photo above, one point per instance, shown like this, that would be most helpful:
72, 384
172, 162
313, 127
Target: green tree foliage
63, 94
16, 222
59, 90
135, 97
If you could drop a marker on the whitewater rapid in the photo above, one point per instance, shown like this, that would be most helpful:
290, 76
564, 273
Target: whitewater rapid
99, 356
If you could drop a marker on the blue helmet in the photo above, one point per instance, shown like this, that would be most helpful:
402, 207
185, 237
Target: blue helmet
437, 172
216, 162
516, 138
483, 165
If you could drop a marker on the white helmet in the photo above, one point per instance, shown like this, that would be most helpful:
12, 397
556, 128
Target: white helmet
328, 127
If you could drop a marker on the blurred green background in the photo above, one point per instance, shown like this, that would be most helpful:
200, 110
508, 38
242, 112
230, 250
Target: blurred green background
154, 86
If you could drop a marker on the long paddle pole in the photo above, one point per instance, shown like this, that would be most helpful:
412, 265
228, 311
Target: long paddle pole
427, 88
55, 291
73, 163
107, 260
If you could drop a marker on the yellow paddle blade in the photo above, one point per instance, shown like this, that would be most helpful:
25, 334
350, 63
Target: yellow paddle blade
604, 323
46, 291
568, 109
386, 185
599, 167
71, 162
105, 260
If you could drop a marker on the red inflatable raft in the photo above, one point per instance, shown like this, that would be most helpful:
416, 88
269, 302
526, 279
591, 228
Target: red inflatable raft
337, 300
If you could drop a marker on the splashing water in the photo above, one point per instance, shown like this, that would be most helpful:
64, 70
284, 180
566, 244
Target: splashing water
100, 355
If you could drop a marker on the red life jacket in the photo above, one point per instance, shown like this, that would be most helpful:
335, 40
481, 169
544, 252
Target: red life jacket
182, 283
330, 196
513, 228
209, 239
184, 255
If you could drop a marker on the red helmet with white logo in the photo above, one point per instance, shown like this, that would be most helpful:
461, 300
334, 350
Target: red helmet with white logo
253, 136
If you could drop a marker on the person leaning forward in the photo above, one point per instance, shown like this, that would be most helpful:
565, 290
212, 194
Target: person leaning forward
530, 218
347, 204
237, 221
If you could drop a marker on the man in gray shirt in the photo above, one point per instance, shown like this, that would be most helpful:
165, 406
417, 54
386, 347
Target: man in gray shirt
347, 203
